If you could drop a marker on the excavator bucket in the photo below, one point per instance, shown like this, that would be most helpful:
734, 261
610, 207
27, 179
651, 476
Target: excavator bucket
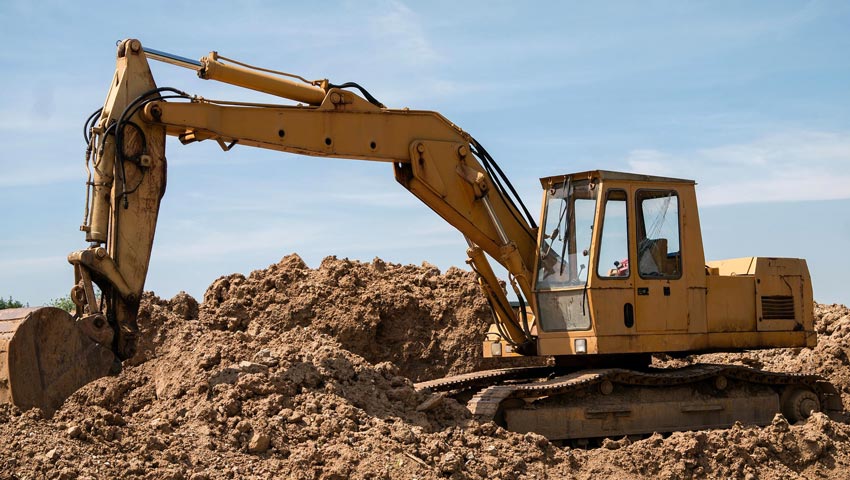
45, 357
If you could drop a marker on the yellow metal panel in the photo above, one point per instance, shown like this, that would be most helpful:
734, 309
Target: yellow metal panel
780, 284
731, 304
760, 339
608, 304
647, 343
686, 342
656, 311
693, 255
565, 344
734, 266
697, 321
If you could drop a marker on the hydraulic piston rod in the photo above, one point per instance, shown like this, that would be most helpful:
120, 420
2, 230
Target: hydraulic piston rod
212, 68
173, 59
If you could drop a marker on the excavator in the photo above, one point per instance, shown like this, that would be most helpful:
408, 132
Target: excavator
613, 274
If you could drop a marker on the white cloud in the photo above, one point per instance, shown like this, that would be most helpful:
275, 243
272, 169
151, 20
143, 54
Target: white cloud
798, 186
788, 166
650, 161
401, 37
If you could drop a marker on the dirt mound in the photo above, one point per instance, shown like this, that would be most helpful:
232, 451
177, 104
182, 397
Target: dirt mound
814, 449
295, 372
427, 323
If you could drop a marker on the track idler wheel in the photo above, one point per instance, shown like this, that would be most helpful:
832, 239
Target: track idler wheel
46, 355
799, 403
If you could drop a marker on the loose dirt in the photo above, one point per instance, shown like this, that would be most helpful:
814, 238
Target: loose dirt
293, 372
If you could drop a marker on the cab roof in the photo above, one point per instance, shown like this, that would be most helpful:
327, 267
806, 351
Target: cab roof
603, 175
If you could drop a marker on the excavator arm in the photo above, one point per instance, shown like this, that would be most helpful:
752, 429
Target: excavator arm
431, 157
46, 354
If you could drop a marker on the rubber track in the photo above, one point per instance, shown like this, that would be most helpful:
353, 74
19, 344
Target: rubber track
486, 402
482, 378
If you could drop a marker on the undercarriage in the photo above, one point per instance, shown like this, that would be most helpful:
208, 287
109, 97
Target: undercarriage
612, 402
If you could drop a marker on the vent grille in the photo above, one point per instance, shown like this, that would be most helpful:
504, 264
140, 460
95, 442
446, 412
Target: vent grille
778, 307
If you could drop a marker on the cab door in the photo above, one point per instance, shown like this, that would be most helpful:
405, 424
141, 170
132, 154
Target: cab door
661, 294
613, 285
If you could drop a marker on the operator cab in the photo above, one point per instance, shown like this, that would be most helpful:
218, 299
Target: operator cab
613, 249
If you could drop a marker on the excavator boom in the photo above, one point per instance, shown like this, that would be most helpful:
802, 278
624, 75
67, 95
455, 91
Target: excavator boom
431, 157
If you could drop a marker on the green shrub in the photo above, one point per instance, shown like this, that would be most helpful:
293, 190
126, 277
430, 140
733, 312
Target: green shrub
64, 303
10, 303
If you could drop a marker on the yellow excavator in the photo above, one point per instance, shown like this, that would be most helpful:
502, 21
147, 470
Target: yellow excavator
614, 273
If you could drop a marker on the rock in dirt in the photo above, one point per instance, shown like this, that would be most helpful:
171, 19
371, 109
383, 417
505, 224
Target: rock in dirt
74, 431
430, 403
259, 443
52, 455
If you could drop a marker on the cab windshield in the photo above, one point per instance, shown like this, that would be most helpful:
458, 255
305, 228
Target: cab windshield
567, 232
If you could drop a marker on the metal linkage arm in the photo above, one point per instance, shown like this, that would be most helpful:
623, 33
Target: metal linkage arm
431, 157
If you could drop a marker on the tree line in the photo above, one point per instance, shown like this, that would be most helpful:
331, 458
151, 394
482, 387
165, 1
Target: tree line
64, 303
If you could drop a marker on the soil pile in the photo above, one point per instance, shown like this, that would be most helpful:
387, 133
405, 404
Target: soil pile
294, 372
427, 323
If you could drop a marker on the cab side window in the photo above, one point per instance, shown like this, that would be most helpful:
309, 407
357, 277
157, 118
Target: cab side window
658, 251
614, 247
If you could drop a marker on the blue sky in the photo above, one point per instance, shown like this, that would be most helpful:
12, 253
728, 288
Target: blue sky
749, 98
